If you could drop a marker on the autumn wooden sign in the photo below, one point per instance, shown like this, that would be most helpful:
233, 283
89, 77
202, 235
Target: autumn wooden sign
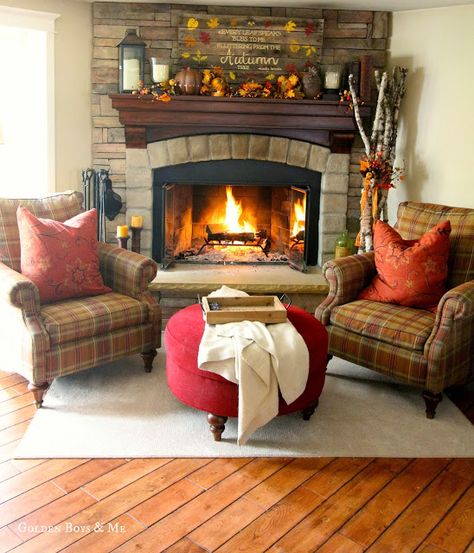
249, 46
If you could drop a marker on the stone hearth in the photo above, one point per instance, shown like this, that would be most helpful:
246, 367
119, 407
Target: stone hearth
180, 286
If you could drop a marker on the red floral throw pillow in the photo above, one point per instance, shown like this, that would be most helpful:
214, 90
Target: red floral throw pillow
61, 258
409, 272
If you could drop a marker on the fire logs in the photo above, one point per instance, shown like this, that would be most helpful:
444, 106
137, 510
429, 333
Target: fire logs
233, 237
255, 239
299, 236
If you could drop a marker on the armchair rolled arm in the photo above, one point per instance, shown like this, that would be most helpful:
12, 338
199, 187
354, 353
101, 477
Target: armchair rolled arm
19, 291
346, 277
124, 271
449, 346
456, 307
457, 303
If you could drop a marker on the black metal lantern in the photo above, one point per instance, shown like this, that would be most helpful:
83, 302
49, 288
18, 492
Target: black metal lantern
131, 61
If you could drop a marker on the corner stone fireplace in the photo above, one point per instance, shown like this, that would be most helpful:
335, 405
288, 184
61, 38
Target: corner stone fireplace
334, 168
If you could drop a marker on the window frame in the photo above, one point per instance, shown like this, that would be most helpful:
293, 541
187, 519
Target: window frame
46, 22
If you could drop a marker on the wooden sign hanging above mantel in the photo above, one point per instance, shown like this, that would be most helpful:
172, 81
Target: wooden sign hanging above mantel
249, 47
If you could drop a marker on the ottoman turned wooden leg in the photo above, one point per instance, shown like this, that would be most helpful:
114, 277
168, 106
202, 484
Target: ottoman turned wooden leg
308, 411
216, 425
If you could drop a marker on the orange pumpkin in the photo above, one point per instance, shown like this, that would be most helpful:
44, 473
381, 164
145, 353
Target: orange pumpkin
188, 80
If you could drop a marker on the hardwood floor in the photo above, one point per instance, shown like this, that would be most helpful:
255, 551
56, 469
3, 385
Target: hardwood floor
328, 505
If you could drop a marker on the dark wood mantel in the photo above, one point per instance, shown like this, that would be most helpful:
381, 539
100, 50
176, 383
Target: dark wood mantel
322, 122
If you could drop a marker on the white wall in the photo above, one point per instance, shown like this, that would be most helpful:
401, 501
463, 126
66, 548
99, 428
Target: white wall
436, 137
73, 52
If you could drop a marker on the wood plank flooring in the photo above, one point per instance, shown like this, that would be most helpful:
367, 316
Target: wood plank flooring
328, 505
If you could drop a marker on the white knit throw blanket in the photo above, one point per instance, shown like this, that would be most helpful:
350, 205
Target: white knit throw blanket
259, 358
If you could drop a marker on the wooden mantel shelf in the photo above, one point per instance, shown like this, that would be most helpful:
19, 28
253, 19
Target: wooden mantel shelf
322, 122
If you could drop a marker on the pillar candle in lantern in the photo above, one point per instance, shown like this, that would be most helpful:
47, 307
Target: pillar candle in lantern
131, 74
122, 231
136, 221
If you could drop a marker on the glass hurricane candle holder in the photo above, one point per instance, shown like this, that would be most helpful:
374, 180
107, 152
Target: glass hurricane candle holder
332, 78
160, 72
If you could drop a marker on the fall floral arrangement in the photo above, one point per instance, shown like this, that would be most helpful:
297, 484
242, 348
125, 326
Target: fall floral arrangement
380, 169
214, 83
289, 87
253, 89
161, 92
345, 98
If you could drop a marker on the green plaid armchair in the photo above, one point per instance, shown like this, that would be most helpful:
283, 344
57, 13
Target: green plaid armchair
431, 351
41, 342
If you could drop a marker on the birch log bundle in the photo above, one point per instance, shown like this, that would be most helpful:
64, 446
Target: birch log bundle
380, 149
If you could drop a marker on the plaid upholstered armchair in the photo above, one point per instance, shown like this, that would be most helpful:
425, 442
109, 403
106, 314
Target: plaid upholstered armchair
431, 351
43, 341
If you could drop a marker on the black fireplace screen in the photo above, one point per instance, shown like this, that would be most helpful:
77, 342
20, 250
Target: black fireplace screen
236, 211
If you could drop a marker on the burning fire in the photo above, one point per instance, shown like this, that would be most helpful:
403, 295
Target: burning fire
233, 214
299, 216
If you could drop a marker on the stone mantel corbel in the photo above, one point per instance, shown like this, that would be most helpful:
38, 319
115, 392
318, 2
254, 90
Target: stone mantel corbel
323, 122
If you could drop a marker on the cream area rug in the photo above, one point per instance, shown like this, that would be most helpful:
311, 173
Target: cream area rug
118, 410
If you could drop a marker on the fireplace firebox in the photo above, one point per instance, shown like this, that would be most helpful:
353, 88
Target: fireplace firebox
234, 212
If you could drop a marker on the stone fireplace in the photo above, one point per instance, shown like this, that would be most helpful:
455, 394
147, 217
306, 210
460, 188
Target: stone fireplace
136, 139
332, 168
289, 134
305, 136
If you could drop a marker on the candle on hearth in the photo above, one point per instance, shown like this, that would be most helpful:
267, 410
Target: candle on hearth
136, 221
122, 231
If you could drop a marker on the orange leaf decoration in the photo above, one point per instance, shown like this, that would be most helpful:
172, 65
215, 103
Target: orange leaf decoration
190, 41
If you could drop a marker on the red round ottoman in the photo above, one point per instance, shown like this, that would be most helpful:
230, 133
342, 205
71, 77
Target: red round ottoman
217, 396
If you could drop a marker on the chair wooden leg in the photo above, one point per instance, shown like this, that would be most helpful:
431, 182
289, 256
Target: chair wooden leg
431, 402
216, 425
308, 411
148, 357
38, 391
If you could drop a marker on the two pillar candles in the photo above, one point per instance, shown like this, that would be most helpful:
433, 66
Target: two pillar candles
136, 224
136, 221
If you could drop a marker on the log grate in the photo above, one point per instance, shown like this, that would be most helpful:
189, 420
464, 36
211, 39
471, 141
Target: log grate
238, 239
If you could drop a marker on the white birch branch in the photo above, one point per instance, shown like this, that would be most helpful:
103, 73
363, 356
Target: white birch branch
357, 116
374, 139
382, 140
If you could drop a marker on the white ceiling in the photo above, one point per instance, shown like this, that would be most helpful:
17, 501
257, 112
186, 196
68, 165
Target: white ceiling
376, 5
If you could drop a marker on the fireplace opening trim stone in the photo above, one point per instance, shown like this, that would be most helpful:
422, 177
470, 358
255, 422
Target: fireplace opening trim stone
334, 167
